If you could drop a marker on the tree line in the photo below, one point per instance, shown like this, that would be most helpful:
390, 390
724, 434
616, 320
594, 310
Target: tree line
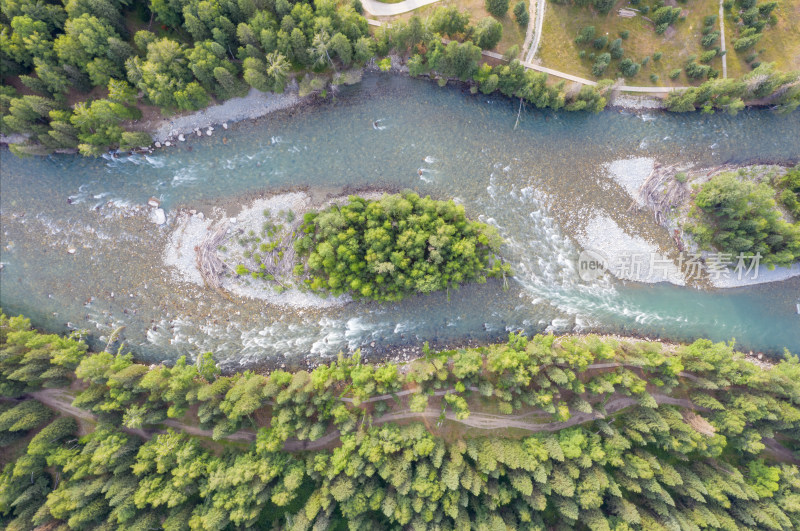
199, 51
654, 467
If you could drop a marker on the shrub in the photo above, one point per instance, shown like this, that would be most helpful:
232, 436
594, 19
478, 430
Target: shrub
680, 177
521, 14
746, 41
707, 57
603, 6
497, 8
615, 48
654, 78
696, 71
675, 73
601, 64
586, 34
600, 42
709, 40
624, 34
657, 56
666, 15
629, 67
488, 33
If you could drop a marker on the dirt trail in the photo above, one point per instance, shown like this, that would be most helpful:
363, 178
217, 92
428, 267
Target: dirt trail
61, 400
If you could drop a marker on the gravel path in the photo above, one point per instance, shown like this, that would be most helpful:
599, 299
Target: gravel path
722, 39
538, 24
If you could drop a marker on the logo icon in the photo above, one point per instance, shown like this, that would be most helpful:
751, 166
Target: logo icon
592, 264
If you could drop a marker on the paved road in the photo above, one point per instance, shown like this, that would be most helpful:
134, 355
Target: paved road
379, 9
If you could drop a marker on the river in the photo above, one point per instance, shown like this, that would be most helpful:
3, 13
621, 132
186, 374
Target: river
542, 183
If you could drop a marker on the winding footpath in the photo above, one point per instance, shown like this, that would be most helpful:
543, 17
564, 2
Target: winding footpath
536, 31
61, 400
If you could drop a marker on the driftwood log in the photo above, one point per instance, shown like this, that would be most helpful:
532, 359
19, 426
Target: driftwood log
210, 265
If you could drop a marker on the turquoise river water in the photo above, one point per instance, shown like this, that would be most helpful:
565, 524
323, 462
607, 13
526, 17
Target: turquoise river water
539, 183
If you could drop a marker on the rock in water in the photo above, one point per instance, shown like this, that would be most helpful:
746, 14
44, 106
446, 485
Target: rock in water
158, 144
153, 202
158, 216
224, 125
71, 250
181, 137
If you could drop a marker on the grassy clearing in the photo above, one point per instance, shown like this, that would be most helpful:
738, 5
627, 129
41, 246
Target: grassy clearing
513, 33
780, 43
563, 22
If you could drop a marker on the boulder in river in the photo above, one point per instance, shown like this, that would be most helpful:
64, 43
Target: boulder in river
181, 137
153, 202
71, 249
158, 216
158, 144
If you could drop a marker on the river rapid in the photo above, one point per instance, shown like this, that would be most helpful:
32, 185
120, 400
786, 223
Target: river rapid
554, 184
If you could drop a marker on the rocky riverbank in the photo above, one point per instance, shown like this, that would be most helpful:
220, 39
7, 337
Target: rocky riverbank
215, 249
255, 105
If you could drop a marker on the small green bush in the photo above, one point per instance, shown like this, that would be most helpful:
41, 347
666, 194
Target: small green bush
600, 42
521, 14
497, 8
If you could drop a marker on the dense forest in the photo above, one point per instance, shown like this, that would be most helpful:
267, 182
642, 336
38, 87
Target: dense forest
735, 213
77, 75
396, 246
705, 439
